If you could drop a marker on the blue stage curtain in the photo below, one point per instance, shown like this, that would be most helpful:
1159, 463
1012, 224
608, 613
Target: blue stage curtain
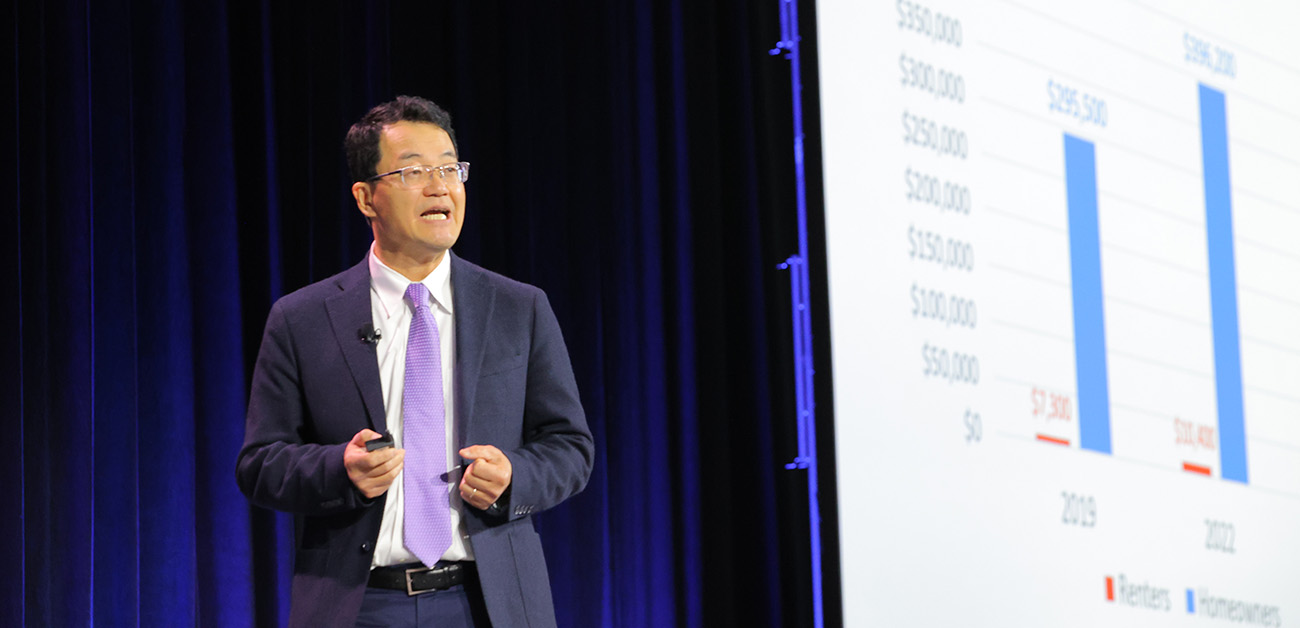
176, 167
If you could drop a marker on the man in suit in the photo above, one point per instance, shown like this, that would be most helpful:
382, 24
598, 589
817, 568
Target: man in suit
465, 370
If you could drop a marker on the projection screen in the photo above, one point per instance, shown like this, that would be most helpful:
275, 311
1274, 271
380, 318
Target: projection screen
1065, 310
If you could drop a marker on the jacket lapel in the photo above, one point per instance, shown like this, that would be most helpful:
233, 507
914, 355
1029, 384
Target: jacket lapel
349, 313
473, 297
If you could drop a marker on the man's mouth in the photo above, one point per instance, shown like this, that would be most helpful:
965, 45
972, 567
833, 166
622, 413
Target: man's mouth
436, 214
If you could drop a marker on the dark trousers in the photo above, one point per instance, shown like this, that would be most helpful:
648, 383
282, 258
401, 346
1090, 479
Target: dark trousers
460, 606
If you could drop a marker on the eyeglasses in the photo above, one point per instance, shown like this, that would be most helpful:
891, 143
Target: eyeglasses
418, 177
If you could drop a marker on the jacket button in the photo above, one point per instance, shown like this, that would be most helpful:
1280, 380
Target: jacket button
365, 547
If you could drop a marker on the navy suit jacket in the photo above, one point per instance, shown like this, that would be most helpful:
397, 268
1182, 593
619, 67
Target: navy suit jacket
316, 384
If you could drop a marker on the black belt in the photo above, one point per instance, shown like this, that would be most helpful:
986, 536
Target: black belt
416, 578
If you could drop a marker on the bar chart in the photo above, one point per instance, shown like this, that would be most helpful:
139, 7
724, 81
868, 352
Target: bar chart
1095, 235
1086, 287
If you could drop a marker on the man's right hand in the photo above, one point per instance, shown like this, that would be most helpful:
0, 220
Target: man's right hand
372, 471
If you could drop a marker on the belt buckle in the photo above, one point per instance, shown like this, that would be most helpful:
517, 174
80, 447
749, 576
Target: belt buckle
409, 590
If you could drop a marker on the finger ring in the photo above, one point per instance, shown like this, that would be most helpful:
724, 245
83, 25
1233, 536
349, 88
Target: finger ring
474, 493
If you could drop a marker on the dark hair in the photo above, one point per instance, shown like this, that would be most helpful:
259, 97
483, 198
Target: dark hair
362, 141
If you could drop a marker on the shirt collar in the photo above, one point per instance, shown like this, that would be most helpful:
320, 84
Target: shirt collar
390, 286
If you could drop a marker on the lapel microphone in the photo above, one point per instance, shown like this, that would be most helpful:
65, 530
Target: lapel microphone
369, 334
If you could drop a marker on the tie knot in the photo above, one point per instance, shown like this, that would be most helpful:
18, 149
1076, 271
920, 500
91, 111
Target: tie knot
418, 294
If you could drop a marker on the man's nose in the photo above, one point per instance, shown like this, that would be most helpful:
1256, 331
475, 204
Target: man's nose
437, 186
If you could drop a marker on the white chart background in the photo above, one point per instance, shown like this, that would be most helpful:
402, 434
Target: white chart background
954, 508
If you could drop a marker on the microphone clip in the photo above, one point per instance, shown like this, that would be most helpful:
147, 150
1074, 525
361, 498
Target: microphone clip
369, 335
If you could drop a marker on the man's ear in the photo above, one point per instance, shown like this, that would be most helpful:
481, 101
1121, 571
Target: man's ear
365, 198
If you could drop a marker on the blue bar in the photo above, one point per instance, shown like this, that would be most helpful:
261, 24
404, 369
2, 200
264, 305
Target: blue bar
1223, 284
1085, 281
1191, 602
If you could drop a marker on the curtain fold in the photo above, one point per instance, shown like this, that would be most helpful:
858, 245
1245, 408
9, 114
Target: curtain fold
178, 166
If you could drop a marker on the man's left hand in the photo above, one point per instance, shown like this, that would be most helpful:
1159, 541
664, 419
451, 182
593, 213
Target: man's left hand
487, 477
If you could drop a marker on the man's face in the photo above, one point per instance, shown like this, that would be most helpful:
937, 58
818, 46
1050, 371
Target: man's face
413, 227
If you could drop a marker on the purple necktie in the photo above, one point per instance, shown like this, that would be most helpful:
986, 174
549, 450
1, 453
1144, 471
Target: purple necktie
427, 524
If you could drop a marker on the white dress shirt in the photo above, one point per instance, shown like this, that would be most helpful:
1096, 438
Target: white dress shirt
392, 318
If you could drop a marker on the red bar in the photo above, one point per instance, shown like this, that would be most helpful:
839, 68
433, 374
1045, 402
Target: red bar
1196, 468
1054, 440
1110, 588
